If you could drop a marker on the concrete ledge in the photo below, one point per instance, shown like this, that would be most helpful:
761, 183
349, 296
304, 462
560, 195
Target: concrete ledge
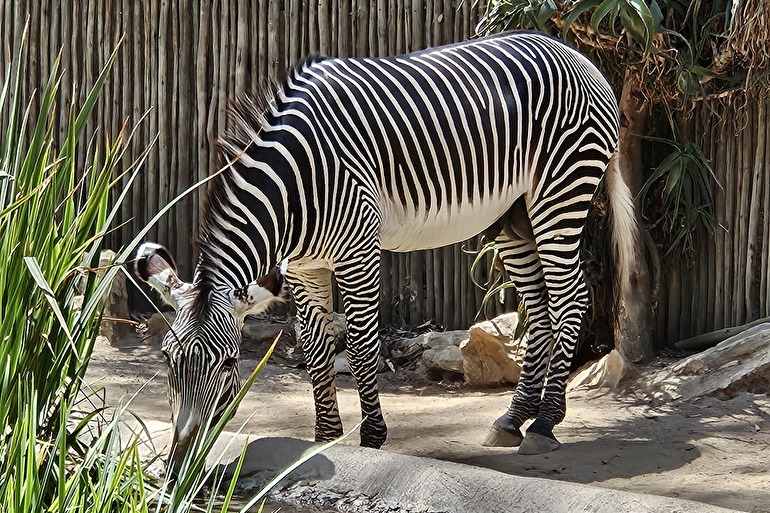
368, 480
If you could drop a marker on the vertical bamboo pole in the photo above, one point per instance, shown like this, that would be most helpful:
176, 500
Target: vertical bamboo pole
164, 110
295, 36
731, 184
386, 288
448, 23
345, 40
202, 88
133, 102
264, 28
361, 16
763, 133
755, 211
373, 44
742, 220
152, 103
324, 28
430, 287
273, 45
400, 8
711, 245
382, 26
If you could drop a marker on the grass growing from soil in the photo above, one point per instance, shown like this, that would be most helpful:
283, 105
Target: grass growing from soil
60, 446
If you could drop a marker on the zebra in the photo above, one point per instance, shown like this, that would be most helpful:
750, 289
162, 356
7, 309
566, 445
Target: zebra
507, 134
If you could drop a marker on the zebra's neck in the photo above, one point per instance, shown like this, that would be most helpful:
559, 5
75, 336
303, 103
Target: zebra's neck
245, 226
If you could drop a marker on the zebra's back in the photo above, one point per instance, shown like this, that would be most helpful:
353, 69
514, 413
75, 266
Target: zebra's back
452, 136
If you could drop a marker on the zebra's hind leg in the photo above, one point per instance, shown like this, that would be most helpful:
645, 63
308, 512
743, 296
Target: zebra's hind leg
522, 264
312, 295
359, 284
558, 246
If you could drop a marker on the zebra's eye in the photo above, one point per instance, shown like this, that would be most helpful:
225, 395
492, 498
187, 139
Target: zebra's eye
229, 364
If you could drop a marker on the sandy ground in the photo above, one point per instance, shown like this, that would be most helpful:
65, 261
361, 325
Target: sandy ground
712, 451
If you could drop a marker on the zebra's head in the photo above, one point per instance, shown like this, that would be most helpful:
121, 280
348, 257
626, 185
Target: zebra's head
202, 348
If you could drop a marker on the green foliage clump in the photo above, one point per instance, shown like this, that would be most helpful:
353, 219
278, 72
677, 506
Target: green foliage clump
60, 447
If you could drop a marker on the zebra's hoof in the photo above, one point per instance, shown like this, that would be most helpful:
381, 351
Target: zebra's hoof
501, 438
535, 443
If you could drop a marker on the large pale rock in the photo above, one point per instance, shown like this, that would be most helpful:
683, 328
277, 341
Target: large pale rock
611, 371
491, 352
739, 364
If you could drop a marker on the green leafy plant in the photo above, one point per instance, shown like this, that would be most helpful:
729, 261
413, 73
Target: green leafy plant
679, 198
61, 448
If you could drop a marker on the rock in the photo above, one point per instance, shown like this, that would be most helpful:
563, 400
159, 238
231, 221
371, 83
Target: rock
341, 363
440, 351
447, 359
739, 364
610, 371
157, 326
116, 309
258, 329
490, 354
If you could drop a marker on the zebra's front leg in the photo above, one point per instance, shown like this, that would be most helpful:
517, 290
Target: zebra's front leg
359, 284
312, 295
522, 264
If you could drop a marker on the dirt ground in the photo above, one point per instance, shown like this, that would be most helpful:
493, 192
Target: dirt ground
712, 451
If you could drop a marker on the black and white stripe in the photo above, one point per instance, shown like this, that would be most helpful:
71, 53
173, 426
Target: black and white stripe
351, 156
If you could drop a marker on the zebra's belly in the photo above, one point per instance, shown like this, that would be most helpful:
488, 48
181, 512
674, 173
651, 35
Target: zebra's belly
405, 229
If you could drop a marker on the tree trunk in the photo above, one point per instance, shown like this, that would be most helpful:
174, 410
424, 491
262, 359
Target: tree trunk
633, 323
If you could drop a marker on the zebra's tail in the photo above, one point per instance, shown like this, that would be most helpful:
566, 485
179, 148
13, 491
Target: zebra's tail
624, 228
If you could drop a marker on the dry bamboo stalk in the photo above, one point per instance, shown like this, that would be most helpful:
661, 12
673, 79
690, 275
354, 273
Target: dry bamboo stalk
324, 28
201, 112
223, 63
765, 288
392, 23
273, 46
454, 290
295, 36
711, 246
464, 292
164, 125
373, 46
752, 257
430, 287
334, 25
312, 12
399, 46
45, 53
242, 42
152, 103
134, 107
674, 303
361, 16
345, 41
386, 287
730, 184
263, 32
186, 131
172, 150
415, 286
447, 23
743, 217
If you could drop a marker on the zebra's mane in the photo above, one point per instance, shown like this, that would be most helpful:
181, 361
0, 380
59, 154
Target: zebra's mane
248, 115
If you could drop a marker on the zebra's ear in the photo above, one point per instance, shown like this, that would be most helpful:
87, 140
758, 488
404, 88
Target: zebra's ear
257, 296
155, 265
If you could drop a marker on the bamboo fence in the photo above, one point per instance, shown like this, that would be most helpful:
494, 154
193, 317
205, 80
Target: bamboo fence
182, 60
